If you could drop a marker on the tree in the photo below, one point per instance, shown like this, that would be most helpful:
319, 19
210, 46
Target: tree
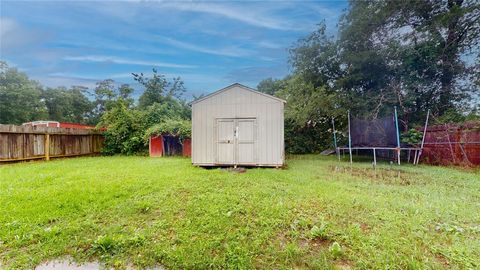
104, 93
81, 106
57, 102
171, 109
125, 92
308, 114
126, 124
453, 28
158, 89
67, 105
416, 55
19, 97
396, 53
107, 95
270, 86
316, 59
414, 50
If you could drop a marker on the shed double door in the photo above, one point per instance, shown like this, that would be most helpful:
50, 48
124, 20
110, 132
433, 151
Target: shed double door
236, 141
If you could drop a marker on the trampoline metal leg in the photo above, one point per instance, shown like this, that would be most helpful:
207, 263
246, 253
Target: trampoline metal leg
398, 156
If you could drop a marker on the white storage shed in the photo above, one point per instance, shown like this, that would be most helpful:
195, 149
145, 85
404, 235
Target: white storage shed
238, 125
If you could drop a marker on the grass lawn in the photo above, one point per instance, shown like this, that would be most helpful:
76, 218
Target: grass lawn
317, 214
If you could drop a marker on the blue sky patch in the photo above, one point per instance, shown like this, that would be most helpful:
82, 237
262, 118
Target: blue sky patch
208, 44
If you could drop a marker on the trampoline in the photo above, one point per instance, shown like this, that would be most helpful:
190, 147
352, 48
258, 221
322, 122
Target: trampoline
377, 134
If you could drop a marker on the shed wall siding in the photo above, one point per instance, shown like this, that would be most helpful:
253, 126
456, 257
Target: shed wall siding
238, 103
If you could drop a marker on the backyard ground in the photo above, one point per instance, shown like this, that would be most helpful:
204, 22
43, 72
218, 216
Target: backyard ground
316, 214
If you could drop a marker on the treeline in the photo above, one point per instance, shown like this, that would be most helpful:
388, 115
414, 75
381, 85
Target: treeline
415, 55
23, 100
107, 105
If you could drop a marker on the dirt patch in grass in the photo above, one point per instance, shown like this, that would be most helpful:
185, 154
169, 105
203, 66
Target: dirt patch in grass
68, 264
385, 176
364, 227
315, 243
235, 170
442, 260
343, 265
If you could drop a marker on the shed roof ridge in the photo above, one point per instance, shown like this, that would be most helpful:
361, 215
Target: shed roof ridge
240, 85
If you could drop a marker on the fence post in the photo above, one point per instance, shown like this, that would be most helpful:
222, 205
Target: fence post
398, 135
335, 140
349, 138
423, 138
47, 146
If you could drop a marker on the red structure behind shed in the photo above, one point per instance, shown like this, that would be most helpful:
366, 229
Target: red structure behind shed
187, 148
167, 145
155, 146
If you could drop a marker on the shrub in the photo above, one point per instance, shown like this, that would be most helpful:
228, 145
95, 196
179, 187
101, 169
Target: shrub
128, 129
124, 132
180, 128
412, 136
319, 231
336, 250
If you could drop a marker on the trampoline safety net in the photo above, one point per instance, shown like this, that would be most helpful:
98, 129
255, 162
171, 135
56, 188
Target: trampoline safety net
379, 132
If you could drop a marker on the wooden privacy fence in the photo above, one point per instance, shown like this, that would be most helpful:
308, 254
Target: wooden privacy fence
452, 144
18, 143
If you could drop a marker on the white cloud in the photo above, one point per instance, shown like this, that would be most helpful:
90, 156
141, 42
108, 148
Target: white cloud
6, 25
270, 44
328, 13
118, 60
88, 80
254, 74
250, 16
56, 81
14, 37
191, 78
226, 51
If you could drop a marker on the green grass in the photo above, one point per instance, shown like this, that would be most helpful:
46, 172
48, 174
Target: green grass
317, 214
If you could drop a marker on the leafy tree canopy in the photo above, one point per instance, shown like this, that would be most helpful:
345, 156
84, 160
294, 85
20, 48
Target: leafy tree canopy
270, 86
19, 97
160, 107
180, 128
415, 55
67, 105
158, 88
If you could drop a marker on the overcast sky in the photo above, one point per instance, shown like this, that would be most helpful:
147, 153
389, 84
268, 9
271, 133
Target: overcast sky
208, 44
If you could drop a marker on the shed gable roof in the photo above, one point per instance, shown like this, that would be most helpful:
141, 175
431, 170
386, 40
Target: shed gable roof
236, 85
